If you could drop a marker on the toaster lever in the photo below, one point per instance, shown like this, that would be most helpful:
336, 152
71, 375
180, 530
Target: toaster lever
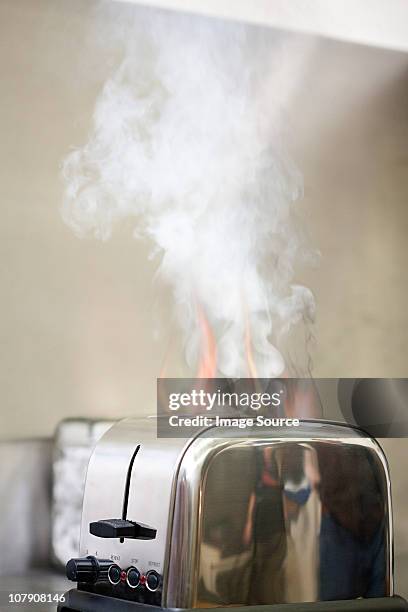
121, 528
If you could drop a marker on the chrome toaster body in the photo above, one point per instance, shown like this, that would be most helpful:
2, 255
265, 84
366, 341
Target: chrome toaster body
262, 519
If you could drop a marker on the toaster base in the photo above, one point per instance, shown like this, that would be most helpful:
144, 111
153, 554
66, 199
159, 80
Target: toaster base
80, 601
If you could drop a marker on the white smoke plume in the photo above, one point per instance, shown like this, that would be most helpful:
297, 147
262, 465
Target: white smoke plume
185, 142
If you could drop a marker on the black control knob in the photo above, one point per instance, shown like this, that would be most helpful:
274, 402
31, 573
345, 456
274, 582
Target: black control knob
121, 528
114, 574
91, 569
82, 570
133, 577
152, 580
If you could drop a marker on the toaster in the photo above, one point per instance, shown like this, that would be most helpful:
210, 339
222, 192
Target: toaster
283, 519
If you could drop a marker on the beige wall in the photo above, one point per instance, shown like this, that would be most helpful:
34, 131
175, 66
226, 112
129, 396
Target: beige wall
79, 317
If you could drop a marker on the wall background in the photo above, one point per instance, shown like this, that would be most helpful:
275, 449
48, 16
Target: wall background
79, 316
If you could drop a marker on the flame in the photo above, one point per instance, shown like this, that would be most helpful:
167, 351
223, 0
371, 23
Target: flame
301, 401
251, 365
207, 365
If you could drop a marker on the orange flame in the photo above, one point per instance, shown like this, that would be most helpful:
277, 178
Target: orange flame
207, 366
252, 371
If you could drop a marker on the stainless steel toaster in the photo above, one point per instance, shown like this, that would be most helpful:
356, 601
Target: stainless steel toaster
255, 519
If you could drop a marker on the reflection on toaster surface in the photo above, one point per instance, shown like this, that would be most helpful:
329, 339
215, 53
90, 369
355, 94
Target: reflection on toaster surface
293, 522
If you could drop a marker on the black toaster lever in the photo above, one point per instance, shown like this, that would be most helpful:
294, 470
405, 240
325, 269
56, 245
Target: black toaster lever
121, 528
124, 528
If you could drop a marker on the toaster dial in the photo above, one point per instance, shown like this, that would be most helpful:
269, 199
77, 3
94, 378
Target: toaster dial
82, 570
152, 580
133, 577
90, 569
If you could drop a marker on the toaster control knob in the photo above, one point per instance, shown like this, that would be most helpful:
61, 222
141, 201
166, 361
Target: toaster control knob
133, 577
91, 569
114, 574
82, 570
152, 580
121, 528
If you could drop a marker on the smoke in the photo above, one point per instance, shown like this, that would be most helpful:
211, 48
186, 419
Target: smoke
185, 141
